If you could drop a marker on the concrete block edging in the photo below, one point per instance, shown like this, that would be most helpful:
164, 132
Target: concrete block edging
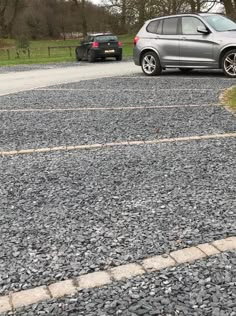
97, 279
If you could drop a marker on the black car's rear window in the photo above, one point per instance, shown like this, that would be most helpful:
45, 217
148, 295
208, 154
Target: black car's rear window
106, 38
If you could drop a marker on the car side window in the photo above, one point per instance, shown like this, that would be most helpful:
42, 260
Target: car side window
153, 26
170, 26
190, 25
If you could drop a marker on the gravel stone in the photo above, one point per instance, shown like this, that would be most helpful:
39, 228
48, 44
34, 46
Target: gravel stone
87, 98
58, 209
37, 130
65, 214
187, 295
125, 91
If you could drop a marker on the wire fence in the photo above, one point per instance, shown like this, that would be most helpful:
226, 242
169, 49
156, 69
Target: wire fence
34, 53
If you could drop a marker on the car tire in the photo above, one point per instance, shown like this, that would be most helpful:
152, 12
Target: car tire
119, 57
91, 56
229, 63
185, 70
150, 64
77, 56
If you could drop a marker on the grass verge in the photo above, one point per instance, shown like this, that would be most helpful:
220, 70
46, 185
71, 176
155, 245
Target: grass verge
229, 99
49, 51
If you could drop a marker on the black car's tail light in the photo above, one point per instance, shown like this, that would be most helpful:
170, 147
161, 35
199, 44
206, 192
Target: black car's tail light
95, 44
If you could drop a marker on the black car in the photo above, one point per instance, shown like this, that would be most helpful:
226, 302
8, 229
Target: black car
100, 45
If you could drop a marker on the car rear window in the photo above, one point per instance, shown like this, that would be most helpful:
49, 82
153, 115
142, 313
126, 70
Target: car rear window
106, 38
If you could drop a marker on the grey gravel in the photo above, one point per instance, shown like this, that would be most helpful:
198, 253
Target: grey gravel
122, 92
37, 99
65, 214
140, 82
21, 130
28, 67
52, 65
204, 288
69, 213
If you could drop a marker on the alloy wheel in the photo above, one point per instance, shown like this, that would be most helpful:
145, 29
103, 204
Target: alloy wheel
230, 64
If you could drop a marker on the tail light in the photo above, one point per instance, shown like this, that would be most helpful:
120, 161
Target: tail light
120, 44
136, 40
95, 44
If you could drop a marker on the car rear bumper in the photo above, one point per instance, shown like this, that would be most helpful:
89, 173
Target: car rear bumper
111, 52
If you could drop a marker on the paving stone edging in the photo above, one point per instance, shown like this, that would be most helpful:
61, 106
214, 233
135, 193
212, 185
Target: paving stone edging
124, 143
98, 279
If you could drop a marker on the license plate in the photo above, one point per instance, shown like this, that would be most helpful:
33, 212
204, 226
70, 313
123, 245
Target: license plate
109, 51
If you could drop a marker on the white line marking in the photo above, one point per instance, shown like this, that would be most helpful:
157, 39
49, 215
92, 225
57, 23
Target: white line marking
110, 108
114, 144
129, 90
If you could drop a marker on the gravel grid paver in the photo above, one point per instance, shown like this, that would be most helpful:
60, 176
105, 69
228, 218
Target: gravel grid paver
19, 68
28, 67
69, 213
25, 130
65, 214
69, 99
176, 81
203, 288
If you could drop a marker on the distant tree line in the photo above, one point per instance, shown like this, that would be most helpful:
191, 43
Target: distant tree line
36, 19
133, 13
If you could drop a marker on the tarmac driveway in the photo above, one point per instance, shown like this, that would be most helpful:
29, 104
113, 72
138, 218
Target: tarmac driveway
159, 177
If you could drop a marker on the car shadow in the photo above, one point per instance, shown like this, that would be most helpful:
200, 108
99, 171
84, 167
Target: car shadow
195, 73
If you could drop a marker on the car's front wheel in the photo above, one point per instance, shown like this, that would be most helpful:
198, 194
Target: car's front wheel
229, 63
150, 64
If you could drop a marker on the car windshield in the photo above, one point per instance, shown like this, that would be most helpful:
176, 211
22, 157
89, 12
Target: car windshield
220, 23
106, 38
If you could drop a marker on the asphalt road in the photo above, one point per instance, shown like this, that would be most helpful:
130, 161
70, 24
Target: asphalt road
68, 213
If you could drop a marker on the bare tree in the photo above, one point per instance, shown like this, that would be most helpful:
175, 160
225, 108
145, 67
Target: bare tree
82, 4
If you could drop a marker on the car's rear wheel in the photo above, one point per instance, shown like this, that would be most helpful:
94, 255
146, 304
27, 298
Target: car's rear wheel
150, 64
91, 56
229, 63
77, 54
185, 70
119, 57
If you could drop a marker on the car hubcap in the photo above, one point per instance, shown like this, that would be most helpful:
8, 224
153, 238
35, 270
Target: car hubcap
230, 64
149, 64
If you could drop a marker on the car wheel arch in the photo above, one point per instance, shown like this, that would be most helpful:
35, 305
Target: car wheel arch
146, 50
223, 52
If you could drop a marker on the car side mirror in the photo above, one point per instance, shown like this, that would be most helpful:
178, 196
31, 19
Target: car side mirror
203, 30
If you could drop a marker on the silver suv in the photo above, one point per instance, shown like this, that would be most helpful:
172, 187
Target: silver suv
187, 41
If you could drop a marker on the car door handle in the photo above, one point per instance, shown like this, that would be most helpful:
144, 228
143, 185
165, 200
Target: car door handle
183, 38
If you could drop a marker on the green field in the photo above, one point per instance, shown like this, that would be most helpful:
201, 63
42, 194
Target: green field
46, 51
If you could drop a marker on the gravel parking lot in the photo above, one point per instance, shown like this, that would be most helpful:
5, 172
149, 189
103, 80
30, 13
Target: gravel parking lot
204, 288
65, 214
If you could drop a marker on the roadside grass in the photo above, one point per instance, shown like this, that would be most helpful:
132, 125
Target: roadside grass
48, 51
229, 99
